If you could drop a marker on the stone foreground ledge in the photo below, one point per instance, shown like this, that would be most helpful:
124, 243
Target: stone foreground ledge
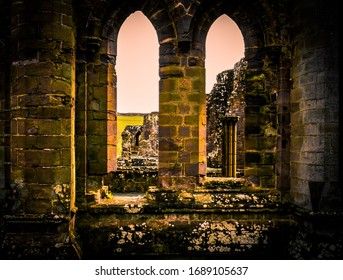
222, 194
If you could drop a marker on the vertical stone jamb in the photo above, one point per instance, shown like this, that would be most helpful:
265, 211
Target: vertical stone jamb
260, 118
101, 122
81, 132
283, 124
182, 124
229, 165
96, 112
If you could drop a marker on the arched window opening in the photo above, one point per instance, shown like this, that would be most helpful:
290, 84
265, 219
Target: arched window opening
137, 66
225, 99
137, 92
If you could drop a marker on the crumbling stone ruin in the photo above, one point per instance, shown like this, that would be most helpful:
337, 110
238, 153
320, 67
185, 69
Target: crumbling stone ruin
61, 195
138, 163
216, 107
225, 100
140, 143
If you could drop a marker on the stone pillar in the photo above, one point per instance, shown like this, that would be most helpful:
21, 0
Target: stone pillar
101, 123
42, 104
182, 127
260, 119
96, 122
229, 156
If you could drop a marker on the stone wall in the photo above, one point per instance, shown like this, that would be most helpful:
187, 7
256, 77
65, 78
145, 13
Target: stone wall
216, 108
138, 164
4, 91
132, 179
236, 108
188, 236
141, 141
315, 110
42, 108
58, 125
226, 99
40, 147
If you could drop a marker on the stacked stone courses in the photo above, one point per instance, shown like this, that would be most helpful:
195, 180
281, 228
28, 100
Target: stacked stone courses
314, 112
58, 127
42, 106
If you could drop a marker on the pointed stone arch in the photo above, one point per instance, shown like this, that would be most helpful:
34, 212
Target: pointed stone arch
181, 34
264, 154
137, 63
96, 71
225, 98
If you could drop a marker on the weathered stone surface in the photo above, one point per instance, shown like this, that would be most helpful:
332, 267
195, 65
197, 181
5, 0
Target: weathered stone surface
187, 235
226, 99
58, 133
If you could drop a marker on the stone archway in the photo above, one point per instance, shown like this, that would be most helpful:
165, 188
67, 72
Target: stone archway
97, 90
182, 114
262, 80
58, 109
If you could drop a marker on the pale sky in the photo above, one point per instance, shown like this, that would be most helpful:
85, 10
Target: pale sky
137, 60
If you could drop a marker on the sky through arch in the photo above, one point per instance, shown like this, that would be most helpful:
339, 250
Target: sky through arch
137, 66
224, 47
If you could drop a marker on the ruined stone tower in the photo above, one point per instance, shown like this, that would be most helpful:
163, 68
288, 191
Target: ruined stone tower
58, 121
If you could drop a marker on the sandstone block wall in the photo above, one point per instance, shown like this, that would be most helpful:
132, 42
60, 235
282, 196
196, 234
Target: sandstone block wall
58, 124
314, 107
42, 108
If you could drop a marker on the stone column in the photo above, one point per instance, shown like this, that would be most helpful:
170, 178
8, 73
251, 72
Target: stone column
182, 127
261, 134
229, 156
101, 122
42, 104
96, 119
